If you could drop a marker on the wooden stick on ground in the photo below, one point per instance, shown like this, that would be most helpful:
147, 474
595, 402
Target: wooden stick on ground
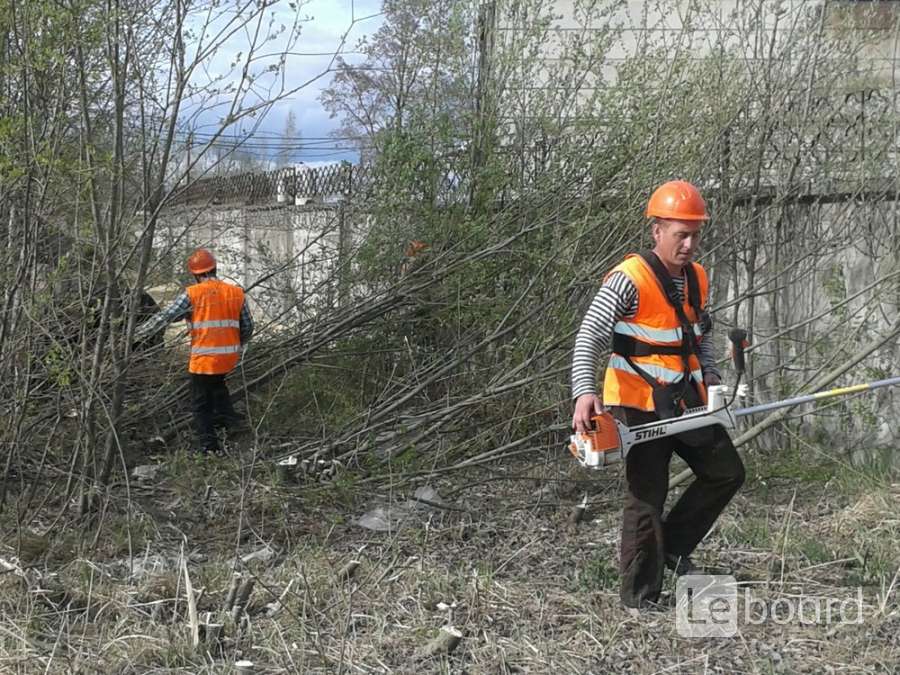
446, 641
192, 604
576, 515
347, 571
232, 591
240, 600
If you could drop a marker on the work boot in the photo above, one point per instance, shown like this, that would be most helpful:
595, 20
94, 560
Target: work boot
648, 607
682, 565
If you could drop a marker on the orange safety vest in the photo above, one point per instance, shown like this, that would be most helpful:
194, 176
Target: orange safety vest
215, 326
655, 323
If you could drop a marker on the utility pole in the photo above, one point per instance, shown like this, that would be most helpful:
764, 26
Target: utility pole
343, 233
487, 16
190, 142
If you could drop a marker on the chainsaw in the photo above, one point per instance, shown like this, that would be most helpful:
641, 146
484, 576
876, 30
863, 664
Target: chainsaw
610, 440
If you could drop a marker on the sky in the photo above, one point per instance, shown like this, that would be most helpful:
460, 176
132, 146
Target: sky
332, 26
331, 20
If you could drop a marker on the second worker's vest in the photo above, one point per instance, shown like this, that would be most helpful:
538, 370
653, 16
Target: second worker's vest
648, 347
215, 326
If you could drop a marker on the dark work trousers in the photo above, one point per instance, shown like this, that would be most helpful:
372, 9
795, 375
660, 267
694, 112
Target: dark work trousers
211, 400
646, 535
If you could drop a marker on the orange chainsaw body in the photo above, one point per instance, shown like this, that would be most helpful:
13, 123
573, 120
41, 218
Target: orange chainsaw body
600, 446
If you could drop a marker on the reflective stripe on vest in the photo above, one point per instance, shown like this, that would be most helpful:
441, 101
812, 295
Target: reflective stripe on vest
664, 374
225, 323
655, 322
215, 326
230, 349
657, 335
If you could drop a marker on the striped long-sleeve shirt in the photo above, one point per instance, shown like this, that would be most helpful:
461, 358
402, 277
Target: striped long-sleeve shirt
617, 299
181, 309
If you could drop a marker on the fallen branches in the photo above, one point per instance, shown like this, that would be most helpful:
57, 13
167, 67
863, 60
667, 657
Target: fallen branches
814, 385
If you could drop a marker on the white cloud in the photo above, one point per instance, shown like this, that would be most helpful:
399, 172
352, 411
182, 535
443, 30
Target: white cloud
333, 26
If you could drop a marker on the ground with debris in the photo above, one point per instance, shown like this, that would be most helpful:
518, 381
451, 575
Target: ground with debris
344, 575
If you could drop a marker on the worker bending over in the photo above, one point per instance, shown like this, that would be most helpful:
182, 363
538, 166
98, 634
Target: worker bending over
220, 324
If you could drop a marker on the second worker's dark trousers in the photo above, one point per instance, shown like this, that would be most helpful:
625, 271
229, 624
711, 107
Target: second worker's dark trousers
210, 400
646, 535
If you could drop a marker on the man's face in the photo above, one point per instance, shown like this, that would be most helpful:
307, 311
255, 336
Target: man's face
676, 241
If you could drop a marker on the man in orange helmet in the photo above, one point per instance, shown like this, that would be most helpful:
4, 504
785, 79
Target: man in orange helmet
220, 324
651, 312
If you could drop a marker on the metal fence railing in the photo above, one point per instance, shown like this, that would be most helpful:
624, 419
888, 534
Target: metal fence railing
279, 186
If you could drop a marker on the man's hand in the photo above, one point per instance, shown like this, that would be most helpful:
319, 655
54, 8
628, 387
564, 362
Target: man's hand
711, 379
586, 407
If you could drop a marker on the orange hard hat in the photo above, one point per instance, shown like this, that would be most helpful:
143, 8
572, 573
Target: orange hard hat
201, 261
678, 200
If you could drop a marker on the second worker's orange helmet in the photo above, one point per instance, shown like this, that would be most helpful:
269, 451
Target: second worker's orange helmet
201, 262
678, 200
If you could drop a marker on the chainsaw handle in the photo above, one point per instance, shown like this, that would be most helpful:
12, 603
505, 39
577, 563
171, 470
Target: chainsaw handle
738, 337
597, 446
597, 421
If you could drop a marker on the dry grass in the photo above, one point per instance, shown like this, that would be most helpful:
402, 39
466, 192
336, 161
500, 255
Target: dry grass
529, 593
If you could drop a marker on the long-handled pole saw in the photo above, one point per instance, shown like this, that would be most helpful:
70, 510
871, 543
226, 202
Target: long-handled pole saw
610, 440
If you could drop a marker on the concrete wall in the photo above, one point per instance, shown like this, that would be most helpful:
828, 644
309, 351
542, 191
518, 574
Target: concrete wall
828, 254
576, 51
286, 255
